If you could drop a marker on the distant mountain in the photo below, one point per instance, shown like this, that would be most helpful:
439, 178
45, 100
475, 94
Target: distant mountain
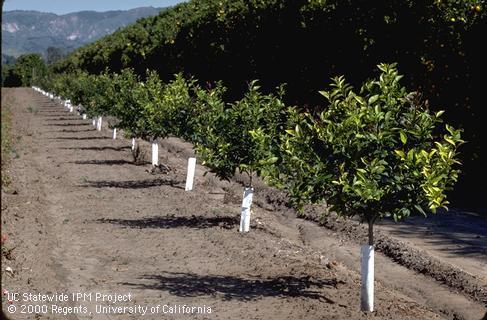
34, 31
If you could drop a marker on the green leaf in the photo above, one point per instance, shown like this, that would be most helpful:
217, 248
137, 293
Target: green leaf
373, 99
410, 155
297, 130
272, 160
420, 209
290, 132
324, 94
449, 140
359, 99
400, 153
403, 137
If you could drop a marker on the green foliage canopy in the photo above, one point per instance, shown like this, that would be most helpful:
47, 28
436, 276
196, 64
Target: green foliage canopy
371, 153
226, 132
27, 71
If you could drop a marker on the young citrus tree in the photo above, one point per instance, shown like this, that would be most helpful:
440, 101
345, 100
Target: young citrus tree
374, 153
226, 143
59, 84
208, 109
80, 89
126, 109
225, 140
153, 120
104, 95
179, 100
99, 102
161, 108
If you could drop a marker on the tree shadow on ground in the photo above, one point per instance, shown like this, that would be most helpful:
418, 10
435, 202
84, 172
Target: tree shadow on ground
97, 148
73, 118
111, 162
236, 288
69, 131
67, 124
171, 221
133, 184
50, 114
79, 138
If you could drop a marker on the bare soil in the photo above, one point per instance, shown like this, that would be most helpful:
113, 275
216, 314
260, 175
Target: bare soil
80, 216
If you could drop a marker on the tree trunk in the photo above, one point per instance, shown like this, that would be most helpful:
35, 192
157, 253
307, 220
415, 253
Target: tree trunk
371, 231
367, 270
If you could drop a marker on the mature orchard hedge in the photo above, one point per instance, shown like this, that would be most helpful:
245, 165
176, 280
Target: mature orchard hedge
304, 43
27, 69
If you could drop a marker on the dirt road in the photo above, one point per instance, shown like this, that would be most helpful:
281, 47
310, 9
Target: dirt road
80, 217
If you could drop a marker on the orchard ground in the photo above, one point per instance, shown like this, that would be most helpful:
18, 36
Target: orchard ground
79, 216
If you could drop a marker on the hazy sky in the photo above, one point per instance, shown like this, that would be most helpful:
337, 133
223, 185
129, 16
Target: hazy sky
66, 6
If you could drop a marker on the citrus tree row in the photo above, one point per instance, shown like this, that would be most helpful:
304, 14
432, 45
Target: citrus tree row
374, 152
